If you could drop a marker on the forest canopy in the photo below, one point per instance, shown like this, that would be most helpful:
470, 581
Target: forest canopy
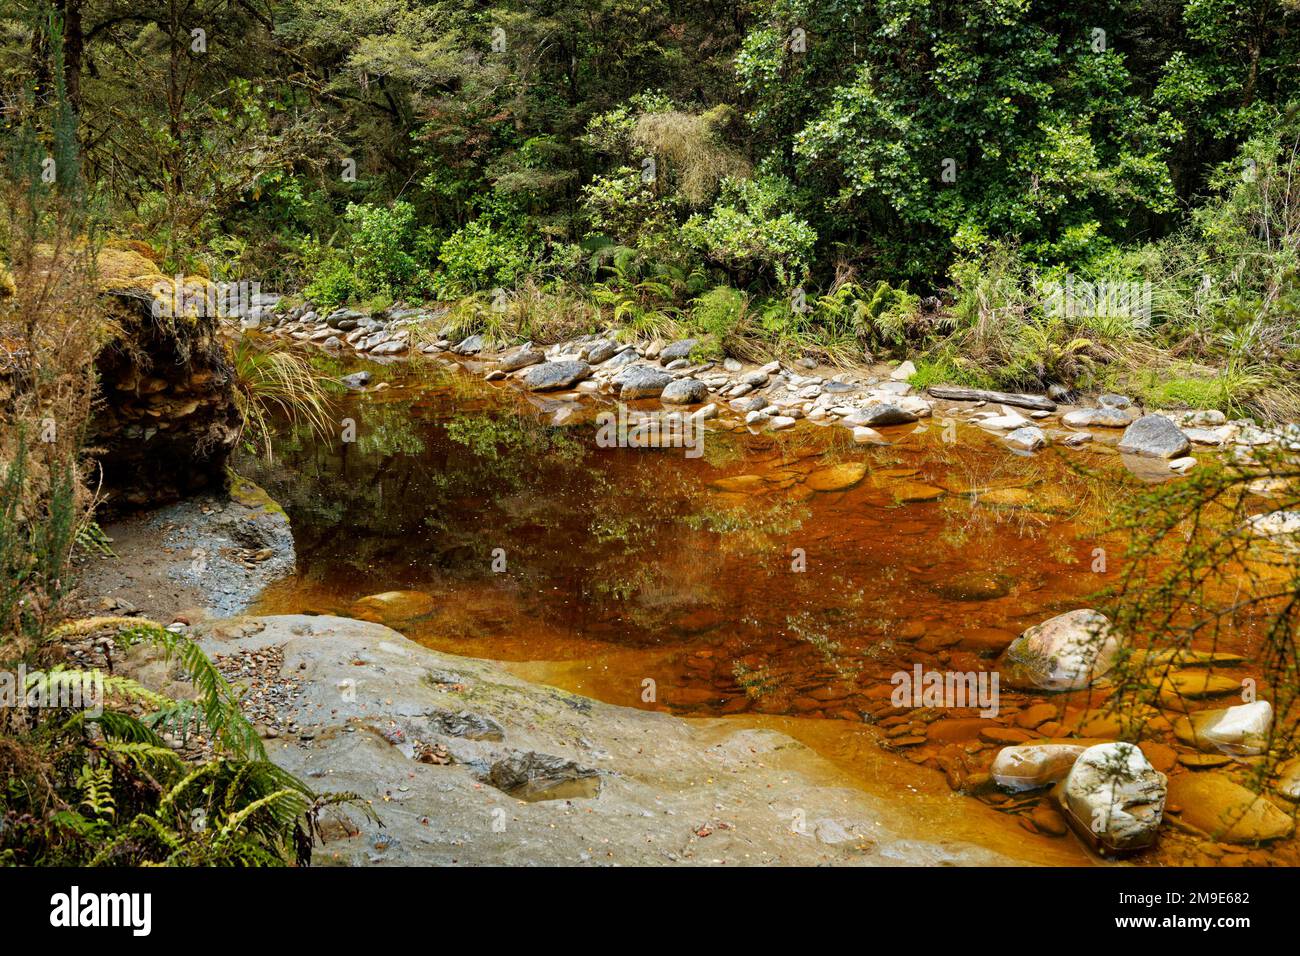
908, 168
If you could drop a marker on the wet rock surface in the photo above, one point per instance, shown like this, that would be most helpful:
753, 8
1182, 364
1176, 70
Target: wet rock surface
611, 785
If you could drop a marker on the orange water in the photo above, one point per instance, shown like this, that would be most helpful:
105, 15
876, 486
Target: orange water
626, 575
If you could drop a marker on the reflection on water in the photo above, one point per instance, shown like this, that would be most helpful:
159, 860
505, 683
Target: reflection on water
708, 586
537, 544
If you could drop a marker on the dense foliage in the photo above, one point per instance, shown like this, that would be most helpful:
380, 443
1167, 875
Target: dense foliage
964, 153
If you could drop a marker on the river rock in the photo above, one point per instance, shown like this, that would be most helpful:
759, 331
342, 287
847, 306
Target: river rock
600, 351
882, 414
863, 435
356, 379
1227, 811
549, 376
471, 345
626, 357
1288, 780
1009, 420
684, 391
836, 477
393, 607
1105, 417
1029, 766
641, 381
1275, 524
1029, 438
520, 358
976, 584
1243, 729
1066, 652
680, 349
1113, 793
904, 371
1154, 436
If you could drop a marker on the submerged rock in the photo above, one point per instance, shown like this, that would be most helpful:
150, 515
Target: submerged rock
1227, 811
1288, 779
1066, 652
836, 477
1243, 729
975, 585
1114, 796
393, 606
1154, 436
863, 435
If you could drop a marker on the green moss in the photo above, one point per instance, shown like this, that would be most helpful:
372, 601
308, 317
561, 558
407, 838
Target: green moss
251, 495
945, 370
1184, 391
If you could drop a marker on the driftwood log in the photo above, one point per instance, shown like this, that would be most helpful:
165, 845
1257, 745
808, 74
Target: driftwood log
1018, 399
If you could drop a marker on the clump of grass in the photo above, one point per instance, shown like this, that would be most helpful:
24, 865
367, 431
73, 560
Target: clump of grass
275, 381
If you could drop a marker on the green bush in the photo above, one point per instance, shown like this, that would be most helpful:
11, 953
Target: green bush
747, 233
382, 245
482, 255
333, 283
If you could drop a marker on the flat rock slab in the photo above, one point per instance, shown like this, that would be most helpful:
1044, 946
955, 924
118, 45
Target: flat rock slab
374, 701
836, 477
1227, 811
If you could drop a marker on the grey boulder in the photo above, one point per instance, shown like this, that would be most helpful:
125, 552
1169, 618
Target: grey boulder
552, 375
1154, 436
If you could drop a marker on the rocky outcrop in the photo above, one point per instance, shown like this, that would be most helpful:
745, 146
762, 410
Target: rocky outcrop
167, 422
